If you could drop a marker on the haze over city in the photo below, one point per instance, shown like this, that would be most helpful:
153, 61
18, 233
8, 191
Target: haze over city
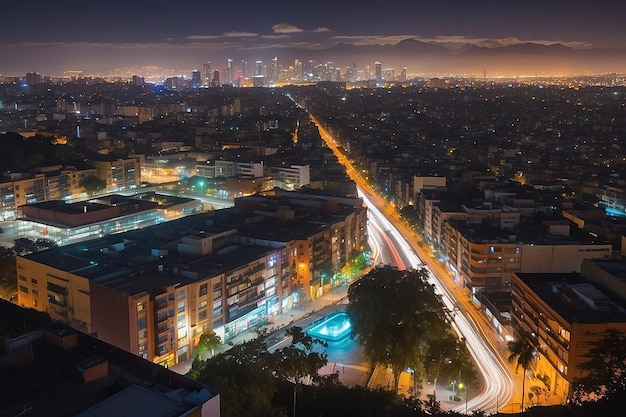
429, 38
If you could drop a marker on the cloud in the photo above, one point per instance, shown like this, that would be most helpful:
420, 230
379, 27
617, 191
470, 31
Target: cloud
275, 36
201, 37
321, 29
286, 28
373, 39
241, 34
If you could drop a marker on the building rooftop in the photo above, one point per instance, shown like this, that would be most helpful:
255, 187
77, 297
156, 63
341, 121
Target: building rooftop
574, 298
54, 370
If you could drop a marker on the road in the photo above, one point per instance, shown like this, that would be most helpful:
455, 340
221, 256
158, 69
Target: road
499, 385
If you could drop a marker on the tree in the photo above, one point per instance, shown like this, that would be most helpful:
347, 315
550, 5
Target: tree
299, 360
524, 354
208, 342
447, 357
92, 184
8, 272
605, 370
394, 313
43, 243
242, 375
24, 246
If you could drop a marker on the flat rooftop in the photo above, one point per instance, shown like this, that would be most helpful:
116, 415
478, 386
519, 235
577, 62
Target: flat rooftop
53, 384
574, 298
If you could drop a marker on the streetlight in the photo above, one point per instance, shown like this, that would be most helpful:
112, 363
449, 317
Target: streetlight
461, 386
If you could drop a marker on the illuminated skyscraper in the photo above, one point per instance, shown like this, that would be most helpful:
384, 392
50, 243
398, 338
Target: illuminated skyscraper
378, 71
298, 71
259, 79
273, 75
215, 82
196, 80
229, 76
206, 75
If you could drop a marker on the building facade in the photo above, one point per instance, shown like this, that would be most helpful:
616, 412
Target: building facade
568, 314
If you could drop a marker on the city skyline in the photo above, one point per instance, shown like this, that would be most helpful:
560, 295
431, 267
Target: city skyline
552, 38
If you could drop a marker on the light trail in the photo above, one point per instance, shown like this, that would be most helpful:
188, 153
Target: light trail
498, 388
499, 385
383, 234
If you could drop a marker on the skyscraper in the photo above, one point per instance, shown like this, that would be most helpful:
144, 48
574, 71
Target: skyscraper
206, 80
378, 71
244, 69
229, 76
259, 79
196, 80
298, 71
273, 75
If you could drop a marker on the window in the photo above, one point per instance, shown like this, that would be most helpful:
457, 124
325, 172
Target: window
181, 306
181, 295
202, 315
22, 278
202, 304
33, 281
23, 289
203, 290
141, 306
35, 293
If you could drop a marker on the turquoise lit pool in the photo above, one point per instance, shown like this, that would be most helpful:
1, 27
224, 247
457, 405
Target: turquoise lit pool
333, 327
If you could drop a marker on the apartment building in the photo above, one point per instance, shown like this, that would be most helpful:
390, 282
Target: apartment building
483, 257
154, 291
567, 313
50, 183
119, 174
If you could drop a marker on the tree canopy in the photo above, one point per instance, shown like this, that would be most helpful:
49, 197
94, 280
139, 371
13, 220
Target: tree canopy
92, 184
396, 316
208, 342
605, 370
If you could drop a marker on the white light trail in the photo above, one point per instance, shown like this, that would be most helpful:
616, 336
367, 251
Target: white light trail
499, 384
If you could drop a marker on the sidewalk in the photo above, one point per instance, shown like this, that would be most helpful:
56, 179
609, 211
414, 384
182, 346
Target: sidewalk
302, 317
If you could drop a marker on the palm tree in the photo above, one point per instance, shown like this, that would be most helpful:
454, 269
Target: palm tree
523, 352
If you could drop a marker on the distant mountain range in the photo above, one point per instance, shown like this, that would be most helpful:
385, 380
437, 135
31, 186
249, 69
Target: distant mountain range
429, 59
426, 57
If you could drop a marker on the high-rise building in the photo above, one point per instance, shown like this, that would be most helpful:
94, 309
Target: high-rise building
274, 71
137, 80
196, 80
207, 75
378, 71
244, 69
33, 78
215, 82
229, 76
259, 79
298, 71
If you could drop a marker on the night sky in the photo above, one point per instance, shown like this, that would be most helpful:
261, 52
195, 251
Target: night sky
55, 36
